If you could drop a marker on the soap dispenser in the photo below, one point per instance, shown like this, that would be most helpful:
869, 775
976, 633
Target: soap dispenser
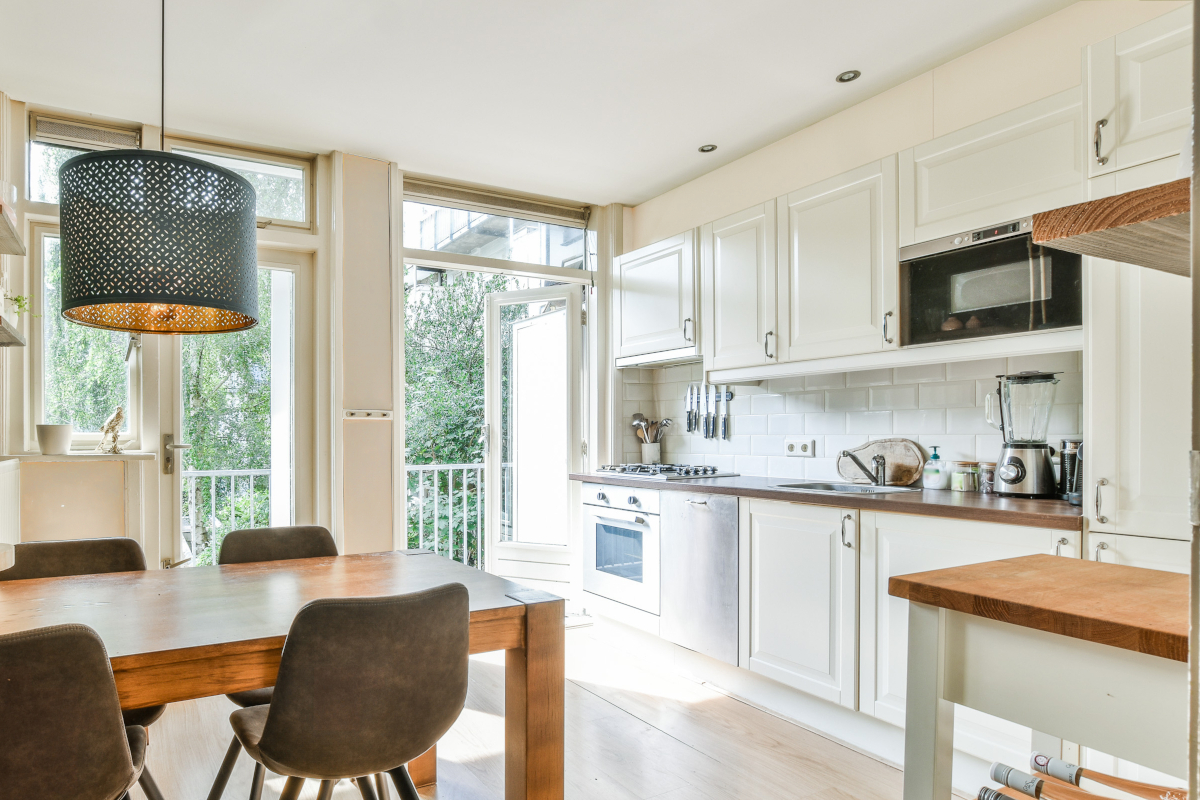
937, 472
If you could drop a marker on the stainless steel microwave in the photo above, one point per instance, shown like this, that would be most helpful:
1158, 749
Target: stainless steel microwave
987, 282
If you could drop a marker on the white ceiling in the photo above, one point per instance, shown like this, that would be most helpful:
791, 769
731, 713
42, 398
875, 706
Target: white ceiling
602, 101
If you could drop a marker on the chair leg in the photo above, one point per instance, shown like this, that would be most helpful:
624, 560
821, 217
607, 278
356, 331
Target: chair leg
218, 787
381, 787
291, 789
326, 790
146, 781
256, 783
365, 788
404, 784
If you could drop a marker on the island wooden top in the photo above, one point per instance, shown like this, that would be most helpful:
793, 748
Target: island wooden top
1056, 514
1144, 610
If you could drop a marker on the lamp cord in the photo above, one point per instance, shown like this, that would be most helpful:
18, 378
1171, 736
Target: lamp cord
162, 83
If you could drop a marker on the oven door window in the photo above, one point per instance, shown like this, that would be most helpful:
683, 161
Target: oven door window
619, 551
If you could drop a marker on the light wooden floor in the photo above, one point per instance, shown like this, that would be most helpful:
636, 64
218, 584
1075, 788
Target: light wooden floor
632, 734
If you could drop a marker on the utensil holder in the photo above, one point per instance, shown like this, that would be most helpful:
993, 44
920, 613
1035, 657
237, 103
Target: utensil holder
54, 440
652, 453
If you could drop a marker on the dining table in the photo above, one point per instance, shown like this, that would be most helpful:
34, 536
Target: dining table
181, 634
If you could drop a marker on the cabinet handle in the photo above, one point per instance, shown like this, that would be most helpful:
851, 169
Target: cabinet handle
766, 340
687, 338
844, 542
1100, 517
1101, 160
1059, 545
885, 321
1100, 546
698, 502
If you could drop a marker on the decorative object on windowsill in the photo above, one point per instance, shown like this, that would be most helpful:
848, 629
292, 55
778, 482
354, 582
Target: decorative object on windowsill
110, 431
54, 440
157, 242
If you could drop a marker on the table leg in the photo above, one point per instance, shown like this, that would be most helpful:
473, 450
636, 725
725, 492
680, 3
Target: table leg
928, 719
423, 768
534, 695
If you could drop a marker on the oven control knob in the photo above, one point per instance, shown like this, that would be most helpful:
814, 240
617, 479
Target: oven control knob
633, 501
602, 497
1013, 471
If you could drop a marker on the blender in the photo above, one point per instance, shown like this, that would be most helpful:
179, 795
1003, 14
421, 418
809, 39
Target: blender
1025, 400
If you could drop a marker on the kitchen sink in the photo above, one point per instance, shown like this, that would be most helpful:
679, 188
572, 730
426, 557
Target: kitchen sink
845, 488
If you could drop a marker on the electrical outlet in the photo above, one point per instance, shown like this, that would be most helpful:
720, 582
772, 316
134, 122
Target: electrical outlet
800, 448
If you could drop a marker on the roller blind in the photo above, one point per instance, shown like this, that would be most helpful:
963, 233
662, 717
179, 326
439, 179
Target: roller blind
444, 194
84, 135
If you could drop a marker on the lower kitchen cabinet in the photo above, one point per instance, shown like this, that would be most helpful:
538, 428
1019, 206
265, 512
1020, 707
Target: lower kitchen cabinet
798, 584
894, 544
1168, 555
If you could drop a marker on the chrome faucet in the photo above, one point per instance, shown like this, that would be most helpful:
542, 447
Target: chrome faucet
879, 476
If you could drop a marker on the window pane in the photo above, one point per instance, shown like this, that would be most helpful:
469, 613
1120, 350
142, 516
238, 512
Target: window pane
279, 187
44, 161
84, 374
456, 230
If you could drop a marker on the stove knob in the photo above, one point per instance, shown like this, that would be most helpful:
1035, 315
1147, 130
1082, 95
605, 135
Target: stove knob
1012, 472
633, 501
602, 497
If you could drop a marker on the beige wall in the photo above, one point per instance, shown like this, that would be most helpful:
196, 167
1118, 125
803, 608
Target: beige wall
1028, 64
93, 508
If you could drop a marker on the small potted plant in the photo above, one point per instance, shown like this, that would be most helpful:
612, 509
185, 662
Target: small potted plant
18, 304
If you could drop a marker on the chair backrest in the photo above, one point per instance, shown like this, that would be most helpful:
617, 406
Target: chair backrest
367, 684
74, 557
276, 544
63, 733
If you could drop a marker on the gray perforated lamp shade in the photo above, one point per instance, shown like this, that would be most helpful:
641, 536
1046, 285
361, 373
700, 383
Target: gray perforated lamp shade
156, 242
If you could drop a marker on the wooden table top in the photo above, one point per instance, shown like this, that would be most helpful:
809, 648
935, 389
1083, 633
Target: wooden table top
1144, 610
141, 614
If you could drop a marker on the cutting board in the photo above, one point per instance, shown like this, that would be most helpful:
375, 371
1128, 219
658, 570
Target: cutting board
905, 461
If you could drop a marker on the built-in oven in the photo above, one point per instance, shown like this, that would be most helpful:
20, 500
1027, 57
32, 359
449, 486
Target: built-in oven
621, 545
988, 282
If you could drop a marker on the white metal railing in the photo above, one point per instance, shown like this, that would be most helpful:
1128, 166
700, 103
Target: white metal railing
456, 489
198, 528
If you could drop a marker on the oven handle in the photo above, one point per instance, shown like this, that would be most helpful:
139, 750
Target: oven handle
636, 520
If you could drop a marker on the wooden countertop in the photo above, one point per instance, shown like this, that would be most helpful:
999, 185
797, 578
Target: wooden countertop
1144, 610
1056, 514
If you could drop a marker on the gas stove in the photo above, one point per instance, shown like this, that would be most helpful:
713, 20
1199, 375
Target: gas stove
665, 472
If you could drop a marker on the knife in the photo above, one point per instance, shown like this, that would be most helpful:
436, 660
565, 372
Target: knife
687, 406
725, 412
710, 401
693, 405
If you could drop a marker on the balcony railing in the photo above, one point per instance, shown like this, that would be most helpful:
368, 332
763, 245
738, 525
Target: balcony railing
445, 510
217, 501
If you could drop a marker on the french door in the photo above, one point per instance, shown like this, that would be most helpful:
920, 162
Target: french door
533, 435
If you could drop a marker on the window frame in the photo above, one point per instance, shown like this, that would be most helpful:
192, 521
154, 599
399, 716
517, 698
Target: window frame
36, 410
307, 163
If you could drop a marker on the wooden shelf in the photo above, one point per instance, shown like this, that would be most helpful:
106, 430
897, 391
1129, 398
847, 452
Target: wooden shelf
1149, 227
10, 336
10, 236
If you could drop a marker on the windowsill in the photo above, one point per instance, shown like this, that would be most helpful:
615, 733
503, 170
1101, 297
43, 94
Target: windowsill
84, 455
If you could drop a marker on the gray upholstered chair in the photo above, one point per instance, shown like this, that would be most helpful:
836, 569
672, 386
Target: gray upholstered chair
61, 724
60, 559
365, 685
254, 545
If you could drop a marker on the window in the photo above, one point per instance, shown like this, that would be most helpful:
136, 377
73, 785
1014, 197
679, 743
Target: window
477, 233
281, 184
44, 161
53, 140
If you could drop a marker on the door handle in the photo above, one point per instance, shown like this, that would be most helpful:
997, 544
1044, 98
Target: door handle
766, 339
1100, 546
1101, 160
885, 322
844, 542
687, 338
1100, 517
1058, 546
169, 448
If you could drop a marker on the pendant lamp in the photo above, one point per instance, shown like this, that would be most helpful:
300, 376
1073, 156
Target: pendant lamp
157, 242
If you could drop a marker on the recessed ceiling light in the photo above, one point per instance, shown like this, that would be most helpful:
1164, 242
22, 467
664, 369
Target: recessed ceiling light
848, 75
707, 148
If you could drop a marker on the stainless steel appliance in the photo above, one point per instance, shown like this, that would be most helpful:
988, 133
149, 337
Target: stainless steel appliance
1024, 402
621, 545
666, 472
988, 282
700, 573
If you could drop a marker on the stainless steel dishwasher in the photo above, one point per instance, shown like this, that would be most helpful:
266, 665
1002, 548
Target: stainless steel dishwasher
699, 573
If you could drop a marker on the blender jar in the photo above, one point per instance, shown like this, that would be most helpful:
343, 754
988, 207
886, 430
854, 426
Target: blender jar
1026, 400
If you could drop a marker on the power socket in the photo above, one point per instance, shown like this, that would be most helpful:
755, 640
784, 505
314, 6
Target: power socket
800, 448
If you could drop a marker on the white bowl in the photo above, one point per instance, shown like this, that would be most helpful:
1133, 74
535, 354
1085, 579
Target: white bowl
55, 440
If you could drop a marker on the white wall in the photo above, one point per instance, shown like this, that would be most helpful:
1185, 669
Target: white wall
935, 404
1036, 61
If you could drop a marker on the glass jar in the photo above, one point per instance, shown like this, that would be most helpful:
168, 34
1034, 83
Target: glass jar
964, 476
987, 477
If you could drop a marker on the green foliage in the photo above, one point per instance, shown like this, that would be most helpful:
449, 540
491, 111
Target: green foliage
20, 302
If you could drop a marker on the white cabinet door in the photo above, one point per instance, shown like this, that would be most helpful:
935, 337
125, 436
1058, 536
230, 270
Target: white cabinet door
1026, 160
1168, 555
1140, 92
656, 296
738, 265
801, 593
893, 544
1137, 400
837, 265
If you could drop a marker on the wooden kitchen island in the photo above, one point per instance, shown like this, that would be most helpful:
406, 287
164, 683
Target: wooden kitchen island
1093, 653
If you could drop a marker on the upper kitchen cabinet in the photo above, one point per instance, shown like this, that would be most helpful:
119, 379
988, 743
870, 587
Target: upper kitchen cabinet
837, 265
738, 294
1027, 160
1139, 93
1137, 393
655, 295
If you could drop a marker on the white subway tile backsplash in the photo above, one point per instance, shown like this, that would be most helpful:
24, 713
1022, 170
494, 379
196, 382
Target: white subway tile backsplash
639, 391
748, 423
987, 448
781, 467
766, 445
806, 402
785, 423
959, 394
723, 463
967, 420
785, 385
739, 405
750, 465
894, 397
908, 422
976, 370
869, 422
1064, 419
869, 377
735, 446
846, 400
834, 445
821, 469
921, 373
951, 448
768, 404
833, 380
824, 423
